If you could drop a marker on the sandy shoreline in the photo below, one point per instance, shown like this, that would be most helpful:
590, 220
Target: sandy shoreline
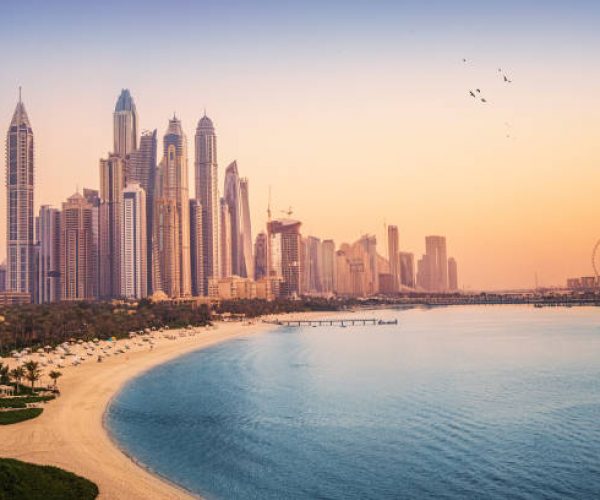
70, 433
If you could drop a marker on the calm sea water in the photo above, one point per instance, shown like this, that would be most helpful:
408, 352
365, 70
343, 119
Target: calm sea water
471, 402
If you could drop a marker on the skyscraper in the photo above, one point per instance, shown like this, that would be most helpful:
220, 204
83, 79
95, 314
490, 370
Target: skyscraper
125, 125
49, 255
141, 168
393, 257
437, 262
76, 259
112, 178
92, 196
407, 269
197, 264
284, 255
328, 265
247, 259
225, 252
232, 198
207, 193
19, 199
452, 275
134, 282
171, 220
260, 256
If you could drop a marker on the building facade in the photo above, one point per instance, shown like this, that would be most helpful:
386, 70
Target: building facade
76, 258
112, 182
197, 263
207, 193
393, 257
125, 125
141, 168
19, 199
172, 266
49, 231
134, 281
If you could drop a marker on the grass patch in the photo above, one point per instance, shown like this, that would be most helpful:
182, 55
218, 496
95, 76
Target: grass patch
36, 482
22, 402
16, 416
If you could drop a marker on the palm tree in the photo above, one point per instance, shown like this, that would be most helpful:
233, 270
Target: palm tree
17, 375
4, 374
33, 372
55, 375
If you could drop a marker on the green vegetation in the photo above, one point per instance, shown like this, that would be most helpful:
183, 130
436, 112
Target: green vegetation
38, 325
16, 416
23, 401
252, 308
42, 482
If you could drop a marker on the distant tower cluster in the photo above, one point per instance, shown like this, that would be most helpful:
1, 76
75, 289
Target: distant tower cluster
142, 234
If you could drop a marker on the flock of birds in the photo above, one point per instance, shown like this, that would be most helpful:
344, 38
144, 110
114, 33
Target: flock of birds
479, 97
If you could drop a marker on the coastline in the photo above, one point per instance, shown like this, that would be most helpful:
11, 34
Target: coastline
71, 432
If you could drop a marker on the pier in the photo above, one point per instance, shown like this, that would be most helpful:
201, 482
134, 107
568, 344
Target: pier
333, 322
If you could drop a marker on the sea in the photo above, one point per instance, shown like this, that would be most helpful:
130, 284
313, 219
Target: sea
489, 402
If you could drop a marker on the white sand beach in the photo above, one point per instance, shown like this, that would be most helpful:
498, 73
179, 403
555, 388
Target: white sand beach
70, 432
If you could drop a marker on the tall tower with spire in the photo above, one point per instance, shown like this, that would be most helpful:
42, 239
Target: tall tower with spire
125, 125
19, 197
207, 193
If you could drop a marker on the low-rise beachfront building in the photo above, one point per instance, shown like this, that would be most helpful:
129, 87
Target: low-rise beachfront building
232, 287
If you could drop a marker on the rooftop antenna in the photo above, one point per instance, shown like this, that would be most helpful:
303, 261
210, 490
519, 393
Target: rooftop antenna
20, 94
269, 206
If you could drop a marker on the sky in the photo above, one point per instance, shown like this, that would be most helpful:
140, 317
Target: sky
357, 114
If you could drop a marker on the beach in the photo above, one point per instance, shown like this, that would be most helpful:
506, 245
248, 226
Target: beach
70, 433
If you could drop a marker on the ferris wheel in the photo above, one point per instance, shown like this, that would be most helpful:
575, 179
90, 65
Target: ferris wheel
595, 263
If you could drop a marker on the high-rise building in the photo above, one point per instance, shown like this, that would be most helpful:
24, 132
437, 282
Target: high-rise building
312, 265
134, 282
76, 259
112, 178
125, 125
92, 196
260, 256
225, 252
19, 199
197, 264
423, 276
49, 255
232, 198
328, 265
393, 250
437, 262
207, 193
284, 255
172, 266
452, 275
141, 168
357, 269
3, 277
407, 269
247, 259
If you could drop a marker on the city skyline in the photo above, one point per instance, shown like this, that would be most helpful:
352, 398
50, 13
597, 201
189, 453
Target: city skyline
488, 194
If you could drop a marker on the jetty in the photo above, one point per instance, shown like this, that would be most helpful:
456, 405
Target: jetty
333, 322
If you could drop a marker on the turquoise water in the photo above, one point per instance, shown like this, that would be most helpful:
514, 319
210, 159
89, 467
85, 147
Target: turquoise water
465, 402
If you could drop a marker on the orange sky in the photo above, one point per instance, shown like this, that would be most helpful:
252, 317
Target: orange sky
356, 131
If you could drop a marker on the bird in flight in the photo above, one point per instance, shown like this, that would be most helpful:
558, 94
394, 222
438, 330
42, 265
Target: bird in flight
472, 93
506, 80
483, 100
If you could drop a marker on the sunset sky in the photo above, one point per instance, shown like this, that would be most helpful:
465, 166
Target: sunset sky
357, 113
